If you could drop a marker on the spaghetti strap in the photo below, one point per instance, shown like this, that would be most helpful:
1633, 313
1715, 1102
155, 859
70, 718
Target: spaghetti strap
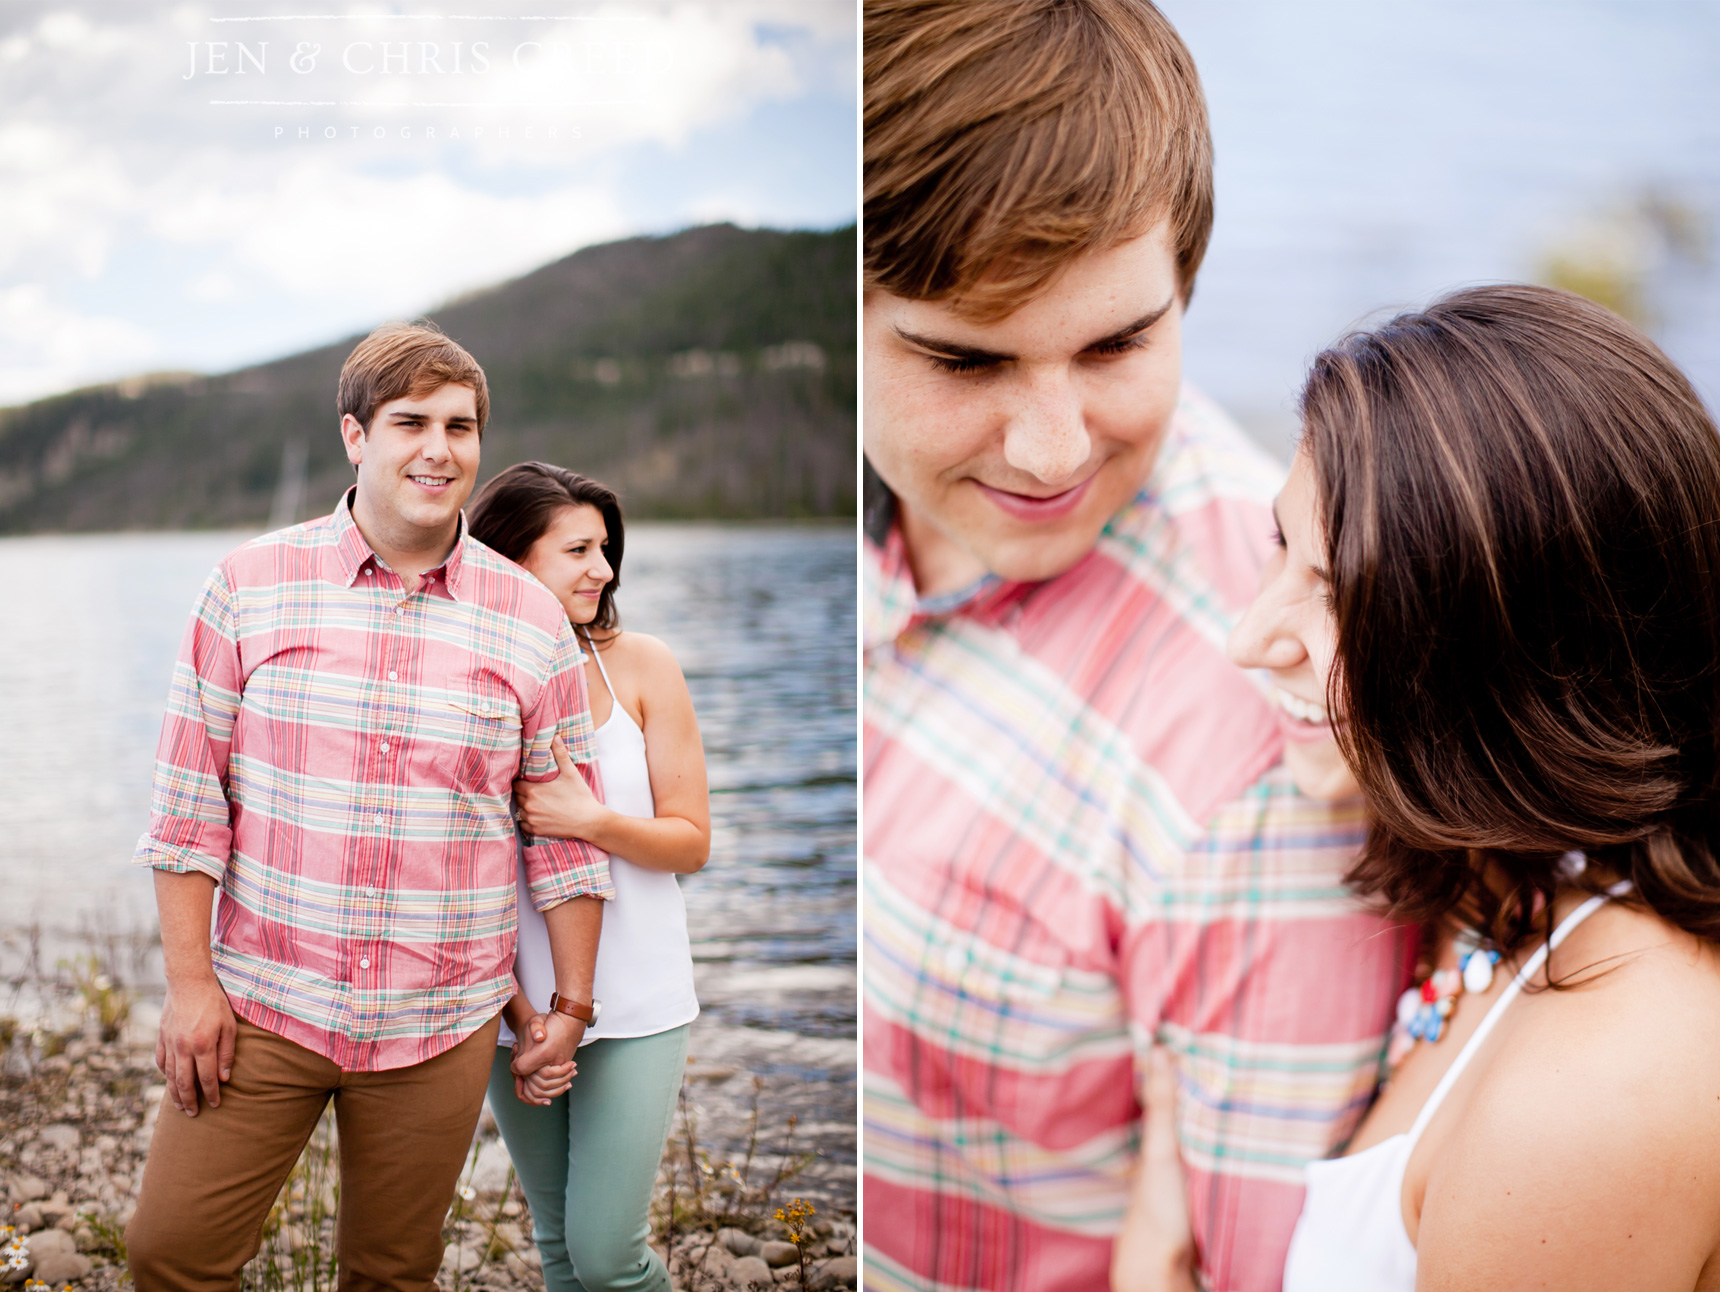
1523, 975
598, 656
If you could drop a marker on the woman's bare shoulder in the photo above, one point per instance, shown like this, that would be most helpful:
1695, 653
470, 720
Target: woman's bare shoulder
641, 651
646, 671
1589, 1153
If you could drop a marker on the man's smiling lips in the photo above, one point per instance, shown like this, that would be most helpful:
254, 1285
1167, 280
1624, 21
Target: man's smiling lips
1031, 507
434, 483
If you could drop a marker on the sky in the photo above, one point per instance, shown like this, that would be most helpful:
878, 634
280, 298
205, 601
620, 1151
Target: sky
200, 186
1372, 156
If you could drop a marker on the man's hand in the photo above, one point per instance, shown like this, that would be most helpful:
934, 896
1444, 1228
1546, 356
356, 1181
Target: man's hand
194, 1048
1156, 1252
549, 1039
545, 1084
564, 808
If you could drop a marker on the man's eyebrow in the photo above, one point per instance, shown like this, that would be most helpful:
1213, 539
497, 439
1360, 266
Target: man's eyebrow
407, 415
1130, 329
953, 349
978, 354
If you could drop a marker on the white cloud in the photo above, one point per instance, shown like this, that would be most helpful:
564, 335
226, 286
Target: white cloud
115, 168
321, 230
46, 347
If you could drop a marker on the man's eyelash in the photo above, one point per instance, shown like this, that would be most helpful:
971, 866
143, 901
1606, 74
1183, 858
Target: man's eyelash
1136, 342
1278, 538
949, 363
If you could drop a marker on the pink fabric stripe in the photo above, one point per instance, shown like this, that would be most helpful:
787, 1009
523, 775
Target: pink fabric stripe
1061, 1110
967, 1244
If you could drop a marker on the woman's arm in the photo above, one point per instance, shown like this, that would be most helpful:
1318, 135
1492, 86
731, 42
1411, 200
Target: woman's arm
678, 837
1155, 1251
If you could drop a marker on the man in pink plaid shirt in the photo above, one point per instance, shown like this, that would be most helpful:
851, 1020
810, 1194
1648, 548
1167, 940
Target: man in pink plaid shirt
352, 703
1081, 846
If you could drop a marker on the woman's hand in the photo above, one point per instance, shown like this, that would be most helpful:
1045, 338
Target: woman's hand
549, 1039
545, 1084
1155, 1252
564, 808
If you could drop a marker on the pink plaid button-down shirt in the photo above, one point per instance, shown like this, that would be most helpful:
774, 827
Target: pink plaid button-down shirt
338, 755
1080, 843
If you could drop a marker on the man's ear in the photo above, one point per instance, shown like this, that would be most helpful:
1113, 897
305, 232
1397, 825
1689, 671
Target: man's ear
352, 435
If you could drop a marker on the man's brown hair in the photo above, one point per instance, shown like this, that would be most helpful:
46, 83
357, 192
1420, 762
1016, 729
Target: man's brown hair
1521, 503
1005, 137
400, 360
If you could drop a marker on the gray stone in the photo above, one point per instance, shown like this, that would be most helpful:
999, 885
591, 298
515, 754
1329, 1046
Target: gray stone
51, 1242
56, 1209
838, 1272
62, 1267
28, 1188
29, 1217
776, 1255
59, 1136
490, 1171
738, 1241
751, 1272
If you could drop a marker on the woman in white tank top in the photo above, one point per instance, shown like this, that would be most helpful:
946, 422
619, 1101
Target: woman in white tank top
586, 1135
1499, 569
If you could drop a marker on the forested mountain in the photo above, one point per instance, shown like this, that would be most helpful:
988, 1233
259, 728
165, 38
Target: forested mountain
709, 373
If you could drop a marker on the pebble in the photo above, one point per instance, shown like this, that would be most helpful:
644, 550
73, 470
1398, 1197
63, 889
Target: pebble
28, 1188
839, 1272
62, 1267
776, 1255
751, 1272
62, 1138
738, 1241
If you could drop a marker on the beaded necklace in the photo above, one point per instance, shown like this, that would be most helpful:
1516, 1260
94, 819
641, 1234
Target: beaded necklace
1422, 1011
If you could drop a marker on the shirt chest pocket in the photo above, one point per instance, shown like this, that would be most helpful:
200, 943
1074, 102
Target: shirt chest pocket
481, 751
1006, 956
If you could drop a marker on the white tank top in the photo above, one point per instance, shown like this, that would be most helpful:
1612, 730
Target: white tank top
1350, 1236
644, 962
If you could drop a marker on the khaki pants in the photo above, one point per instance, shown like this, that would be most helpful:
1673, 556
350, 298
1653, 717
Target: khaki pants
404, 1134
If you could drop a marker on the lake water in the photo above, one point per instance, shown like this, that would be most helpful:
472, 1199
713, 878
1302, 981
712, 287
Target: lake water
1371, 156
761, 618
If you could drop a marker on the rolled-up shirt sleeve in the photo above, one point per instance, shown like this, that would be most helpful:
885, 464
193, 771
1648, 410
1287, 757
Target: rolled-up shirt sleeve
190, 817
560, 869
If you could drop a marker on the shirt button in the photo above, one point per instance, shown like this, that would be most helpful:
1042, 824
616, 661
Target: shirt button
364, 963
370, 891
379, 818
393, 676
399, 610
385, 746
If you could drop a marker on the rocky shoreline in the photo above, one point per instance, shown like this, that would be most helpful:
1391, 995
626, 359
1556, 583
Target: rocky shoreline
766, 1119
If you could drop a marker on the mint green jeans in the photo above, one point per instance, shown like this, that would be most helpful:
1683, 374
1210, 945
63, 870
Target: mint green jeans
588, 1162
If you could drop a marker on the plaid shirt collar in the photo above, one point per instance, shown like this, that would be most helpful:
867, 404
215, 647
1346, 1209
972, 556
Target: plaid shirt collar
893, 606
349, 553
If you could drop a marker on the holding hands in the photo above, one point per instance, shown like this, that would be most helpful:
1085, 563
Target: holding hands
543, 1064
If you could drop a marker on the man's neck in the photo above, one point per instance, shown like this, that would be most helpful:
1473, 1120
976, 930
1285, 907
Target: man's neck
940, 565
405, 549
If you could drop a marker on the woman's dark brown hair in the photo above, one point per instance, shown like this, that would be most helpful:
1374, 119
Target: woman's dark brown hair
1521, 502
513, 511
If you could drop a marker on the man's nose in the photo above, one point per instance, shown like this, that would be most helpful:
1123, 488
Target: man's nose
434, 446
1047, 434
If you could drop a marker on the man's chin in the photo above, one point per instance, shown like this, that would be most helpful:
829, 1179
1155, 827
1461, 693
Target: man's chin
1034, 560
